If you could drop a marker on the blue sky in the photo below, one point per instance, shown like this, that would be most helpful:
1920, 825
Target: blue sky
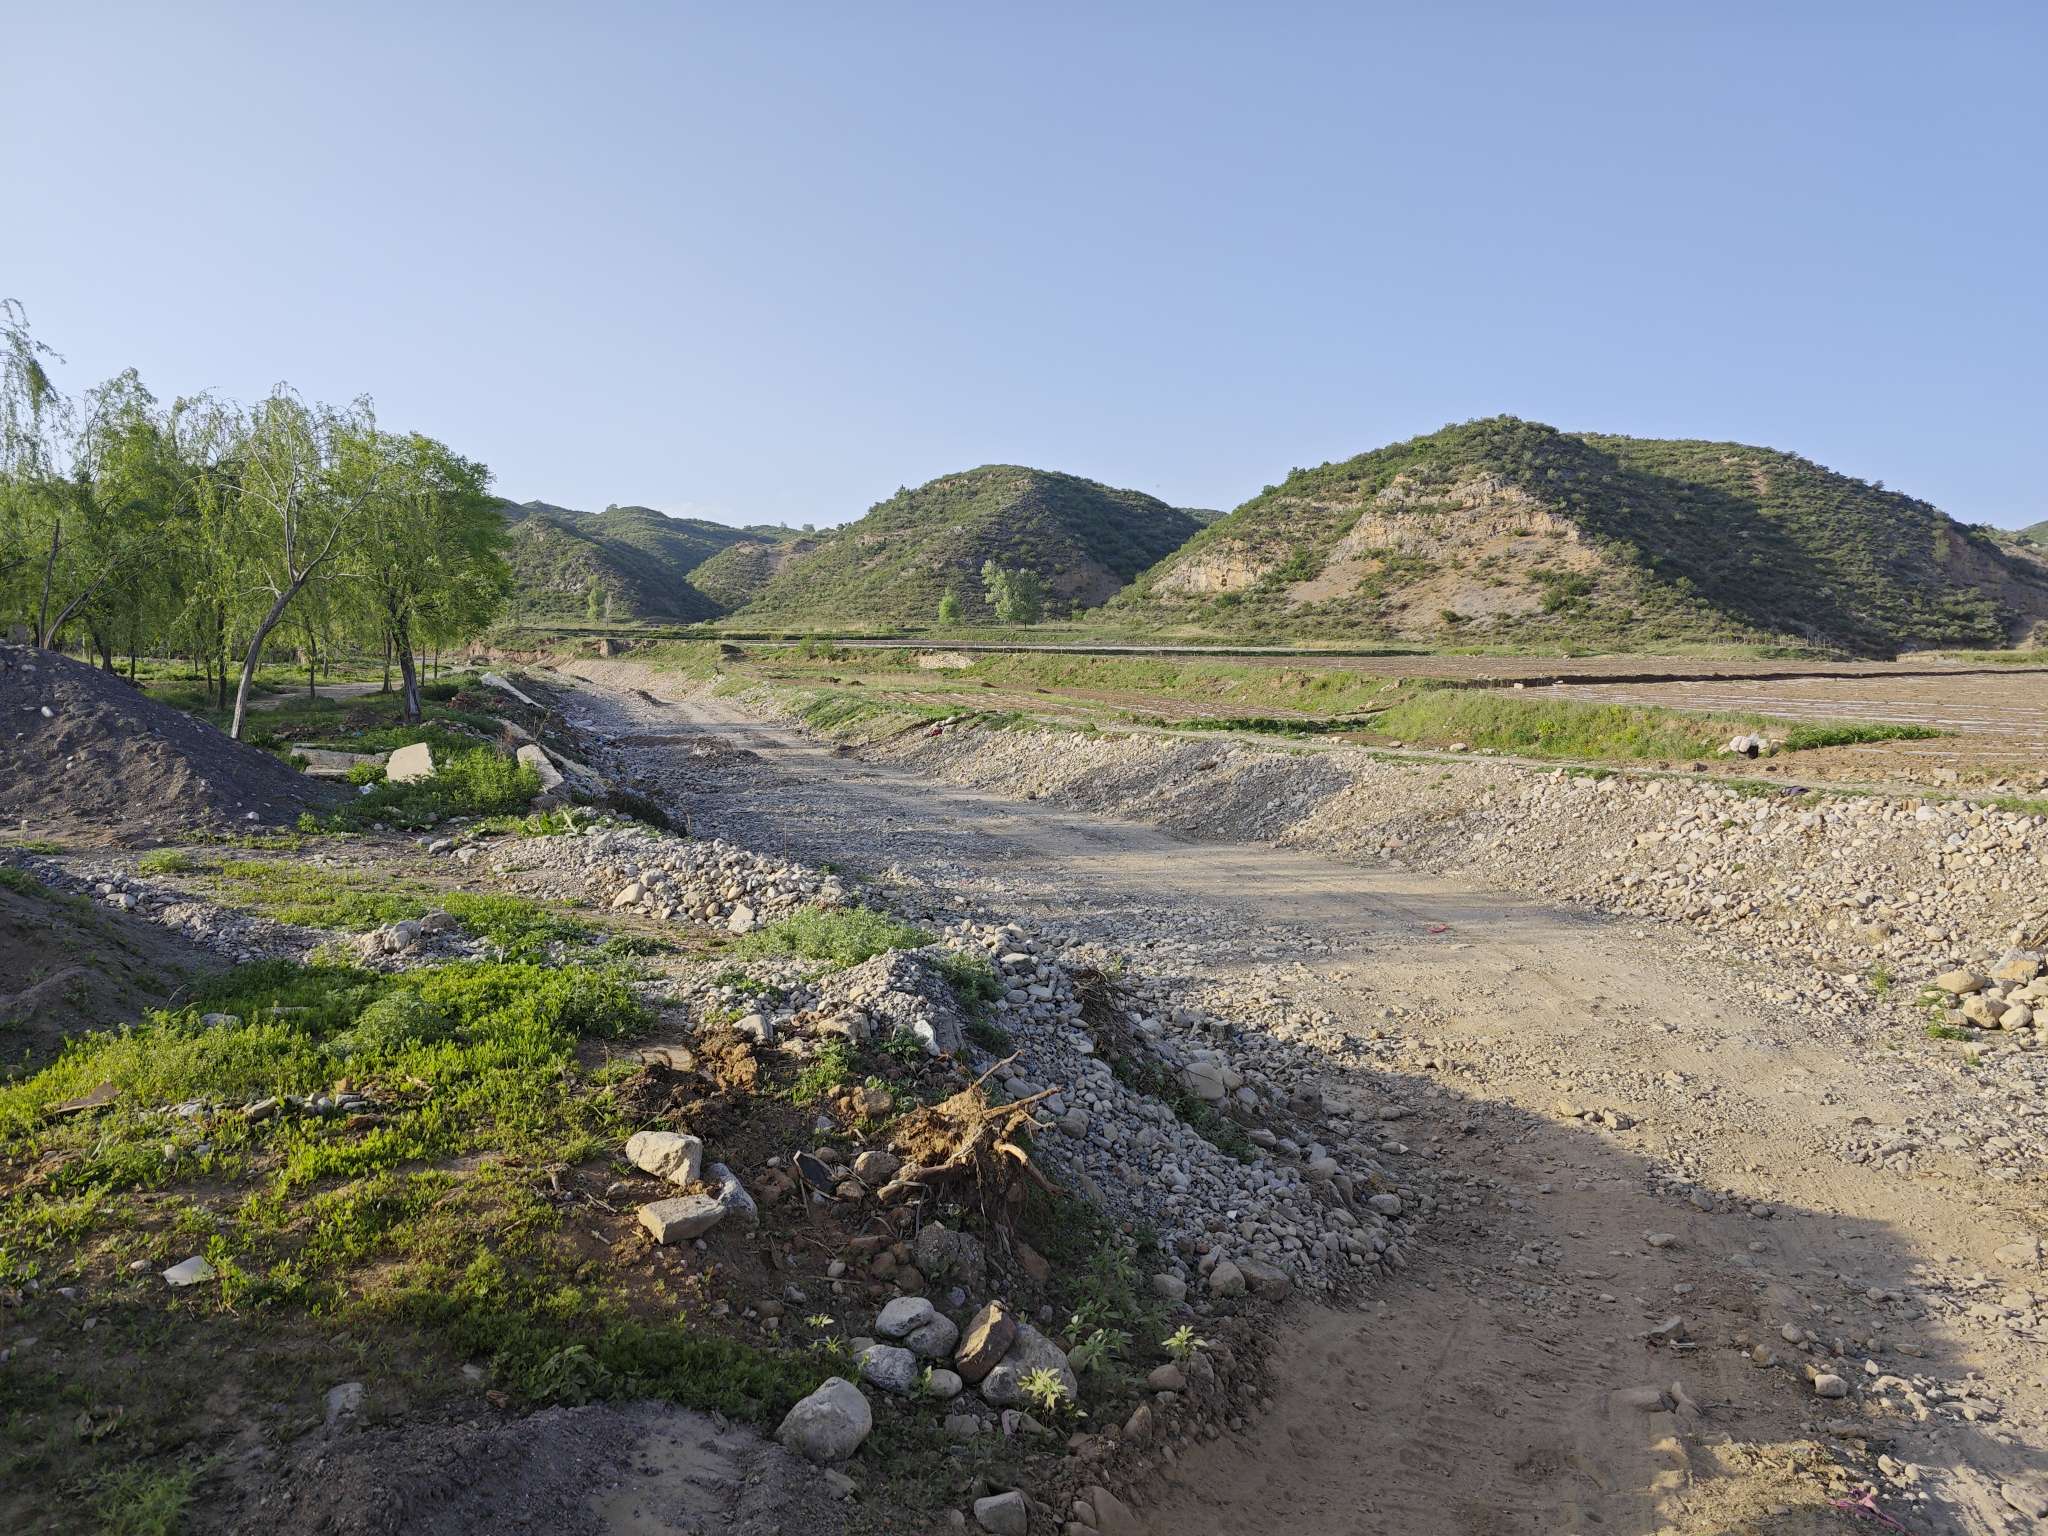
770, 262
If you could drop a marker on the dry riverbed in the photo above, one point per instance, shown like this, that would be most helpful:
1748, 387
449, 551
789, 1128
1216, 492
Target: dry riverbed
1712, 1238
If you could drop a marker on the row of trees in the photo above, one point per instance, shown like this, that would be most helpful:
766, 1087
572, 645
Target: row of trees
221, 532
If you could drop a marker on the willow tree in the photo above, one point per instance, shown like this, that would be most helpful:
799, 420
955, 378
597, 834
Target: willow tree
96, 498
35, 432
307, 475
204, 439
427, 554
121, 501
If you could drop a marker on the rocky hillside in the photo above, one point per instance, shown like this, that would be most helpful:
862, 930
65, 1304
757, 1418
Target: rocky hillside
2038, 534
1510, 530
621, 563
1085, 541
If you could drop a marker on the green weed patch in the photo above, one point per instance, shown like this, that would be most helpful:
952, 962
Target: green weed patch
845, 936
1806, 738
477, 781
1570, 728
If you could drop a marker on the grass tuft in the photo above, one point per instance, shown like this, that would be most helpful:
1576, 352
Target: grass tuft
843, 936
136, 1499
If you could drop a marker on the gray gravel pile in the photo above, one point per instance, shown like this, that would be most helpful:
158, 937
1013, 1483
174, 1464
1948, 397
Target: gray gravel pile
678, 879
1216, 1135
1301, 1195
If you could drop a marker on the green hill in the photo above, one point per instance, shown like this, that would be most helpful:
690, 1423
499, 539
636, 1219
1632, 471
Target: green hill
1084, 541
734, 576
2038, 534
622, 563
1507, 530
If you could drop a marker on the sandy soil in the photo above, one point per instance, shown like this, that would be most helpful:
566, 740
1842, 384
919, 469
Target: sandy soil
1522, 1375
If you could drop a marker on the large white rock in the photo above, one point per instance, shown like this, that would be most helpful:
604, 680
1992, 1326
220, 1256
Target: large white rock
1226, 1279
543, 766
1031, 1351
906, 1314
408, 765
667, 1155
492, 679
733, 1198
681, 1219
1003, 1514
1113, 1517
830, 1424
934, 1340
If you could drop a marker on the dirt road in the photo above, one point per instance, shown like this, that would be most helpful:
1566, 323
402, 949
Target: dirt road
1577, 1344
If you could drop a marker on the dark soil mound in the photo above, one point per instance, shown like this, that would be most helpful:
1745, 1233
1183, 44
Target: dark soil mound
83, 753
67, 966
595, 1471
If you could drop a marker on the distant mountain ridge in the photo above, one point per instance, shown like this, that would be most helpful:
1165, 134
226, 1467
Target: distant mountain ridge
1084, 540
624, 563
1493, 531
1509, 530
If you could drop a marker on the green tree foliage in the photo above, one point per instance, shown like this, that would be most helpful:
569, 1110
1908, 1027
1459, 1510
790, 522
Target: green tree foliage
427, 557
950, 608
1016, 596
225, 534
306, 474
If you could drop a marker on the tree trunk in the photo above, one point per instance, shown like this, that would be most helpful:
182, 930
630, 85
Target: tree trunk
64, 617
254, 657
220, 656
49, 575
387, 663
410, 671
